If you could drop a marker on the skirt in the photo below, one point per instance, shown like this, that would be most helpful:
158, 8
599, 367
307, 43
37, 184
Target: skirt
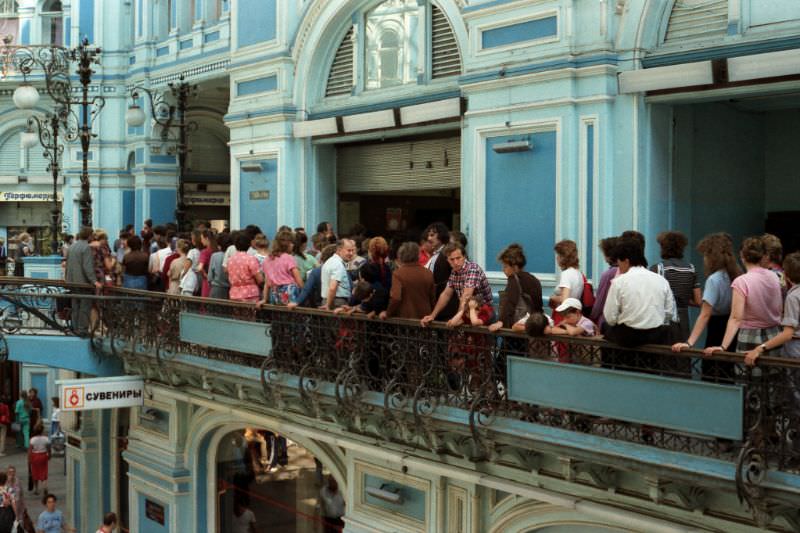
283, 294
39, 466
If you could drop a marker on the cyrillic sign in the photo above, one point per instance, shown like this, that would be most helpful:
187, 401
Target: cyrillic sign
27, 196
101, 393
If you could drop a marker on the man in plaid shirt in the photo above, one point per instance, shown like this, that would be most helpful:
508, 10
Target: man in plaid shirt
467, 279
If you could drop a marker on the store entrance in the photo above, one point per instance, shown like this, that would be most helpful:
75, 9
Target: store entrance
397, 188
732, 166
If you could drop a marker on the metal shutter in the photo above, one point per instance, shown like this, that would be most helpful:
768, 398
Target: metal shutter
36, 164
693, 19
340, 78
399, 166
446, 60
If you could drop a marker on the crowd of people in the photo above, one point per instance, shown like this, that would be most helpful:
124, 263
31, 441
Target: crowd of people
753, 309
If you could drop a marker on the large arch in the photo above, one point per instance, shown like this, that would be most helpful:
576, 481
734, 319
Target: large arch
642, 24
208, 427
320, 32
538, 517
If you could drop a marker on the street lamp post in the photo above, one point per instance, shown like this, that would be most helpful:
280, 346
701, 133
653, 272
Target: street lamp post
54, 63
46, 132
171, 117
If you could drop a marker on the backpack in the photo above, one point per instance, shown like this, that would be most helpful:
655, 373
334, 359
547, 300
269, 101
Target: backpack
587, 298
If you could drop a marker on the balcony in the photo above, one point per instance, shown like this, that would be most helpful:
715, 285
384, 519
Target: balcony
573, 415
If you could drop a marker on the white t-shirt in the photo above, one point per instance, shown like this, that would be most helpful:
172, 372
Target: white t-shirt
161, 256
572, 279
241, 524
188, 282
39, 444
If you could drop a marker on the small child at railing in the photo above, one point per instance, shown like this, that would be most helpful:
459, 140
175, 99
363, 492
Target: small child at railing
470, 351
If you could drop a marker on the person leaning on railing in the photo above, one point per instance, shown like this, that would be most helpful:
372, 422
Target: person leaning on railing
719, 261
789, 337
756, 304
639, 302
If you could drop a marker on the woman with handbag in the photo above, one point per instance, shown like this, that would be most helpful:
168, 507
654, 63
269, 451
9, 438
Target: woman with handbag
22, 412
523, 292
5, 421
8, 506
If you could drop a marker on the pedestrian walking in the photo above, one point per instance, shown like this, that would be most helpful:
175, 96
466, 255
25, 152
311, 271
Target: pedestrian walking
5, 421
51, 520
8, 506
109, 523
15, 487
38, 458
332, 506
22, 413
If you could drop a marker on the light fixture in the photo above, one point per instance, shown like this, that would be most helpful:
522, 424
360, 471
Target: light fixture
150, 415
512, 146
251, 167
770, 65
670, 77
26, 96
386, 493
29, 139
135, 116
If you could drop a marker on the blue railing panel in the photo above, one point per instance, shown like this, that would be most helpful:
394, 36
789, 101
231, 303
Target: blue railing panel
229, 334
696, 407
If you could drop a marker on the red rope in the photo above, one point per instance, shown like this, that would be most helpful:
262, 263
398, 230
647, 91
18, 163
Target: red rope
225, 486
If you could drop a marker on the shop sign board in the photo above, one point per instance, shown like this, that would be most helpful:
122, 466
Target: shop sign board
101, 393
28, 196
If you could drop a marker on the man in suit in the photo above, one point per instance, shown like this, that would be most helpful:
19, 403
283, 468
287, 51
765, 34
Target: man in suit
80, 269
413, 292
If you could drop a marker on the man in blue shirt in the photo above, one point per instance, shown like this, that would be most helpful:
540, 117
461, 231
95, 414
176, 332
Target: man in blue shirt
51, 520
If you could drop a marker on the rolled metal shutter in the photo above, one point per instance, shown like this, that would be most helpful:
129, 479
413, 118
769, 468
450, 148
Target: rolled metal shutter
399, 166
10, 155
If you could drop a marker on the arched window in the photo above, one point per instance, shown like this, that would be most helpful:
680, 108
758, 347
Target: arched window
9, 21
392, 47
52, 23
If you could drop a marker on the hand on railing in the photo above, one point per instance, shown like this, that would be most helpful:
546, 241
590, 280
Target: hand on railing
679, 346
711, 349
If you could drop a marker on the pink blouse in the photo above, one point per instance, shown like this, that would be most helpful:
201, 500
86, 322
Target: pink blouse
242, 270
279, 269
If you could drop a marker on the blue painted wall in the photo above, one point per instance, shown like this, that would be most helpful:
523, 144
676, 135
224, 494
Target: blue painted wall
261, 212
150, 526
516, 33
257, 21
590, 250
86, 23
139, 209
522, 182
106, 465
39, 382
258, 85
25, 32
162, 205
128, 208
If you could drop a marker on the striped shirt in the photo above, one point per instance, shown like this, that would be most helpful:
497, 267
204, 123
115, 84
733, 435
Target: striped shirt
682, 279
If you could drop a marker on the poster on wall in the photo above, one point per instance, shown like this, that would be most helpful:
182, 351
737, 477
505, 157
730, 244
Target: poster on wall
394, 218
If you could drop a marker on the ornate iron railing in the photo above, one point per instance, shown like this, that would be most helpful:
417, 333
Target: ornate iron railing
423, 371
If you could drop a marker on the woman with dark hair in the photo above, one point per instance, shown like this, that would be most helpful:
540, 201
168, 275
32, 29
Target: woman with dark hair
209, 242
282, 277
134, 264
305, 261
217, 276
523, 293
756, 303
607, 247
682, 280
719, 264
243, 272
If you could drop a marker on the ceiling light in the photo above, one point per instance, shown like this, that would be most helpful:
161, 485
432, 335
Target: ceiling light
512, 146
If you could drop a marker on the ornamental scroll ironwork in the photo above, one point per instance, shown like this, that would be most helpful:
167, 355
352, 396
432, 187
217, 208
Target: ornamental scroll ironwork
394, 379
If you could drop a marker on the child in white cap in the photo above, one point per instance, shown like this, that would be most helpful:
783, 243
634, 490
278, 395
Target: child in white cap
573, 323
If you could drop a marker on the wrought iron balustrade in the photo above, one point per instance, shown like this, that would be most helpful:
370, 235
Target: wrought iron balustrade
420, 372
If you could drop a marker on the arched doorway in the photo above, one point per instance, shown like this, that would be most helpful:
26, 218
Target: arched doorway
275, 483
